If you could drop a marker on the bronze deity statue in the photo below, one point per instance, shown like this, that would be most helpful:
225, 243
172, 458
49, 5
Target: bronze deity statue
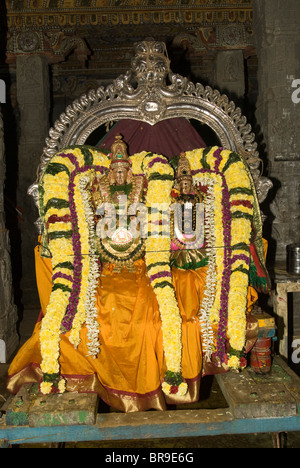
116, 198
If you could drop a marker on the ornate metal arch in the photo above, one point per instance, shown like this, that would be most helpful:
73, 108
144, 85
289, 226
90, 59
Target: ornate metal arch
151, 92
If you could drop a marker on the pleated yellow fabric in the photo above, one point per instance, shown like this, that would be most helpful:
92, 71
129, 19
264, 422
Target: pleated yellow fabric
130, 367
127, 373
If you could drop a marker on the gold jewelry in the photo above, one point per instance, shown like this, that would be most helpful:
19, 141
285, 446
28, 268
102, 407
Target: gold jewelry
184, 169
121, 247
119, 155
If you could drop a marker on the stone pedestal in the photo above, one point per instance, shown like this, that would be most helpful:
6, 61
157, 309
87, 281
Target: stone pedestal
277, 34
33, 95
9, 339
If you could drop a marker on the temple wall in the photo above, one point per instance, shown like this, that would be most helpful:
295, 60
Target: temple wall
8, 312
277, 37
214, 47
33, 97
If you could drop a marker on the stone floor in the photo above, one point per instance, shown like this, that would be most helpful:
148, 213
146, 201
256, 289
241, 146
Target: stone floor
211, 397
25, 330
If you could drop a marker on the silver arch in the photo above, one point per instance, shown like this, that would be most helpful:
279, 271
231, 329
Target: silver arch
151, 92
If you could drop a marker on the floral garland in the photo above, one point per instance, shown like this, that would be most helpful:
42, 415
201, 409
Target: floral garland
66, 211
207, 332
94, 272
160, 178
63, 192
67, 239
232, 205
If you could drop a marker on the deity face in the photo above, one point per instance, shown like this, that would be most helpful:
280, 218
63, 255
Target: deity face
186, 186
119, 175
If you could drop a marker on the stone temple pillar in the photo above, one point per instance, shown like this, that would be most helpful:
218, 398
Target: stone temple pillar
277, 37
33, 95
9, 339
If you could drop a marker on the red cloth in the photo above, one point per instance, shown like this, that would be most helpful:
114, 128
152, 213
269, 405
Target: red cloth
169, 137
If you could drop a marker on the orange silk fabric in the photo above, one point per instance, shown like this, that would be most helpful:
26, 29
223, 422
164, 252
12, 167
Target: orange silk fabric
127, 373
131, 362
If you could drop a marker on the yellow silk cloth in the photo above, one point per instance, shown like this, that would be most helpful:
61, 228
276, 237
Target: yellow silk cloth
127, 373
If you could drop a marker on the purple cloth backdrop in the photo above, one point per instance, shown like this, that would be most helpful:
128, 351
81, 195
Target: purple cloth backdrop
169, 137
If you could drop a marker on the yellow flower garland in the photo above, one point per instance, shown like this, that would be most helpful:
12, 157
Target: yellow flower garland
54, 203
240, 189
157, 248
55, 185
157, 252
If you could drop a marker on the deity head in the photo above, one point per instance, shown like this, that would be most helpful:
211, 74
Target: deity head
120, 168
184, 176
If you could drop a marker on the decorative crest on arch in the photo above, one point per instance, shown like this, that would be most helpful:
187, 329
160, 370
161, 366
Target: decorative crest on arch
151, 92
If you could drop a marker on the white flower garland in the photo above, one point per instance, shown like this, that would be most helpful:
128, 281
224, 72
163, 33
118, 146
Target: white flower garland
160, 183
91, 311
211, 278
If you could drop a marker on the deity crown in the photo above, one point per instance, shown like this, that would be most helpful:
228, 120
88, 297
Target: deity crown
184, 168
119, 155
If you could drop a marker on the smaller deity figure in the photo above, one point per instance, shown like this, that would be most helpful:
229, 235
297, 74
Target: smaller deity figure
187, 222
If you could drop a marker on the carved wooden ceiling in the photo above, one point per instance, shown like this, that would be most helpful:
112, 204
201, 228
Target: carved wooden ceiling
95, 38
